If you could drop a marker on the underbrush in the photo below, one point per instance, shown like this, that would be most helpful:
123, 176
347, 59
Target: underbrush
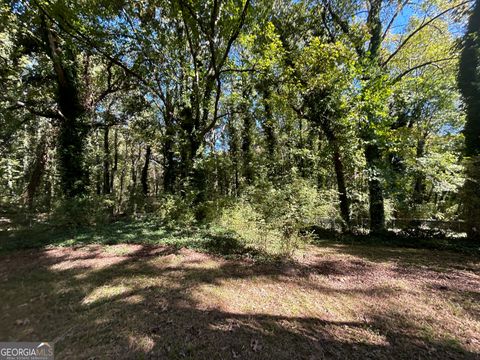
145, 231
398, 240
271, 219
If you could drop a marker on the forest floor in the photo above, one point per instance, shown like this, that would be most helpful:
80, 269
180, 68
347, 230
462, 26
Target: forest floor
119, 300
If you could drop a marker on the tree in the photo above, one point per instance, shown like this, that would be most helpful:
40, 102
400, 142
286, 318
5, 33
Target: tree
468, 81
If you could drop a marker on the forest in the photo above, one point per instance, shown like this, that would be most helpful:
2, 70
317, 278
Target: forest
277, 153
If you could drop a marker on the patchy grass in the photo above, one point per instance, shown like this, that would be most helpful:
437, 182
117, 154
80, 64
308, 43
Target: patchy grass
147, 232
118, 294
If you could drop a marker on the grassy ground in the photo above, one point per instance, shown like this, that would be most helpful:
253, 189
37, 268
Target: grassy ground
140, 291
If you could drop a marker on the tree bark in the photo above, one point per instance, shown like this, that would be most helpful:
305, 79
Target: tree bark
419, 185
144, 176
106, 160
234, 148
168, 156
72, 130
340, 175
115, 160
375, 190
38, 169
468, 80
247, 143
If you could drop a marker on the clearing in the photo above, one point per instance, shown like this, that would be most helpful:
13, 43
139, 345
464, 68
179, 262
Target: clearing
332, 300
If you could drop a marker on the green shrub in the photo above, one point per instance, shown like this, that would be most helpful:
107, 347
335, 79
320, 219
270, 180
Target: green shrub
175, 209
270, 218
79, 211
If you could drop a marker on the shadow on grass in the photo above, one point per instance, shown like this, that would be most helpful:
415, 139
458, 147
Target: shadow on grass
136, 309
399, 240
204, 239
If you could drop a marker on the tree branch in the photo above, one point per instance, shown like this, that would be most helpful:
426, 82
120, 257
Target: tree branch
79, 36
423, 25
431, 62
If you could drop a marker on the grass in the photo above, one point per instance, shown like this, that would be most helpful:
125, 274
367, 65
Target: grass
140, 291
146, 232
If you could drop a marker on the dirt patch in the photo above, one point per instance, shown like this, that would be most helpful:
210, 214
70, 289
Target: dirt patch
137, 301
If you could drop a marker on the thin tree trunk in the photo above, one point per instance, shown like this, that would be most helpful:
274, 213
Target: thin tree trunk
106, 160
375, 190
419, 185
144, 176
115, 160
247, 152
38, 169
234, 149
168, 158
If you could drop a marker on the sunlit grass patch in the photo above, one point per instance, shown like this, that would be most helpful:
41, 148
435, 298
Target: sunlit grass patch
104, 293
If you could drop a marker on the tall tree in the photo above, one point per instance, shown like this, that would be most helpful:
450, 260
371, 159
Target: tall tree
469, 80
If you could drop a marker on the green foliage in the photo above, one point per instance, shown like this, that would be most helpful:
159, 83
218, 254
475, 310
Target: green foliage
271, 219
82, 211
264, 116
175, 209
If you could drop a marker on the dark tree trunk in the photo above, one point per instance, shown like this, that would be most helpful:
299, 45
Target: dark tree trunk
134, 160
419, 185
168, 157
115, 160
234, 147
38, 169
468, 80
122, 180
247, 144
106, 160
375, 190
144, 176
340, 175
342, 188
72, 130
98, 174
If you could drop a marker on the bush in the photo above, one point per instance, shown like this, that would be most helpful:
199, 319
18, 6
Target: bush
175, 209
86, 210
271, 219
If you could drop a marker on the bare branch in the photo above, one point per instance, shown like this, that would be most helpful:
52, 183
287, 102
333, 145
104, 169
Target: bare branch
432, 62
397, 12
50, 114
423, 25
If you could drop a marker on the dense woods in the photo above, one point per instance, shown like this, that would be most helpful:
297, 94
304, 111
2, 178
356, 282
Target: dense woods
240, 179
259, 115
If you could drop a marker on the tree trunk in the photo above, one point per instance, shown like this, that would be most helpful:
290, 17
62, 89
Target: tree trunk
468, 80
340, 175
234, 149
72, 130
38, 169
342, 189
247, 143
115, 160
471, 193
168, 157
144, 176
106, 160
419, 185
375, 191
